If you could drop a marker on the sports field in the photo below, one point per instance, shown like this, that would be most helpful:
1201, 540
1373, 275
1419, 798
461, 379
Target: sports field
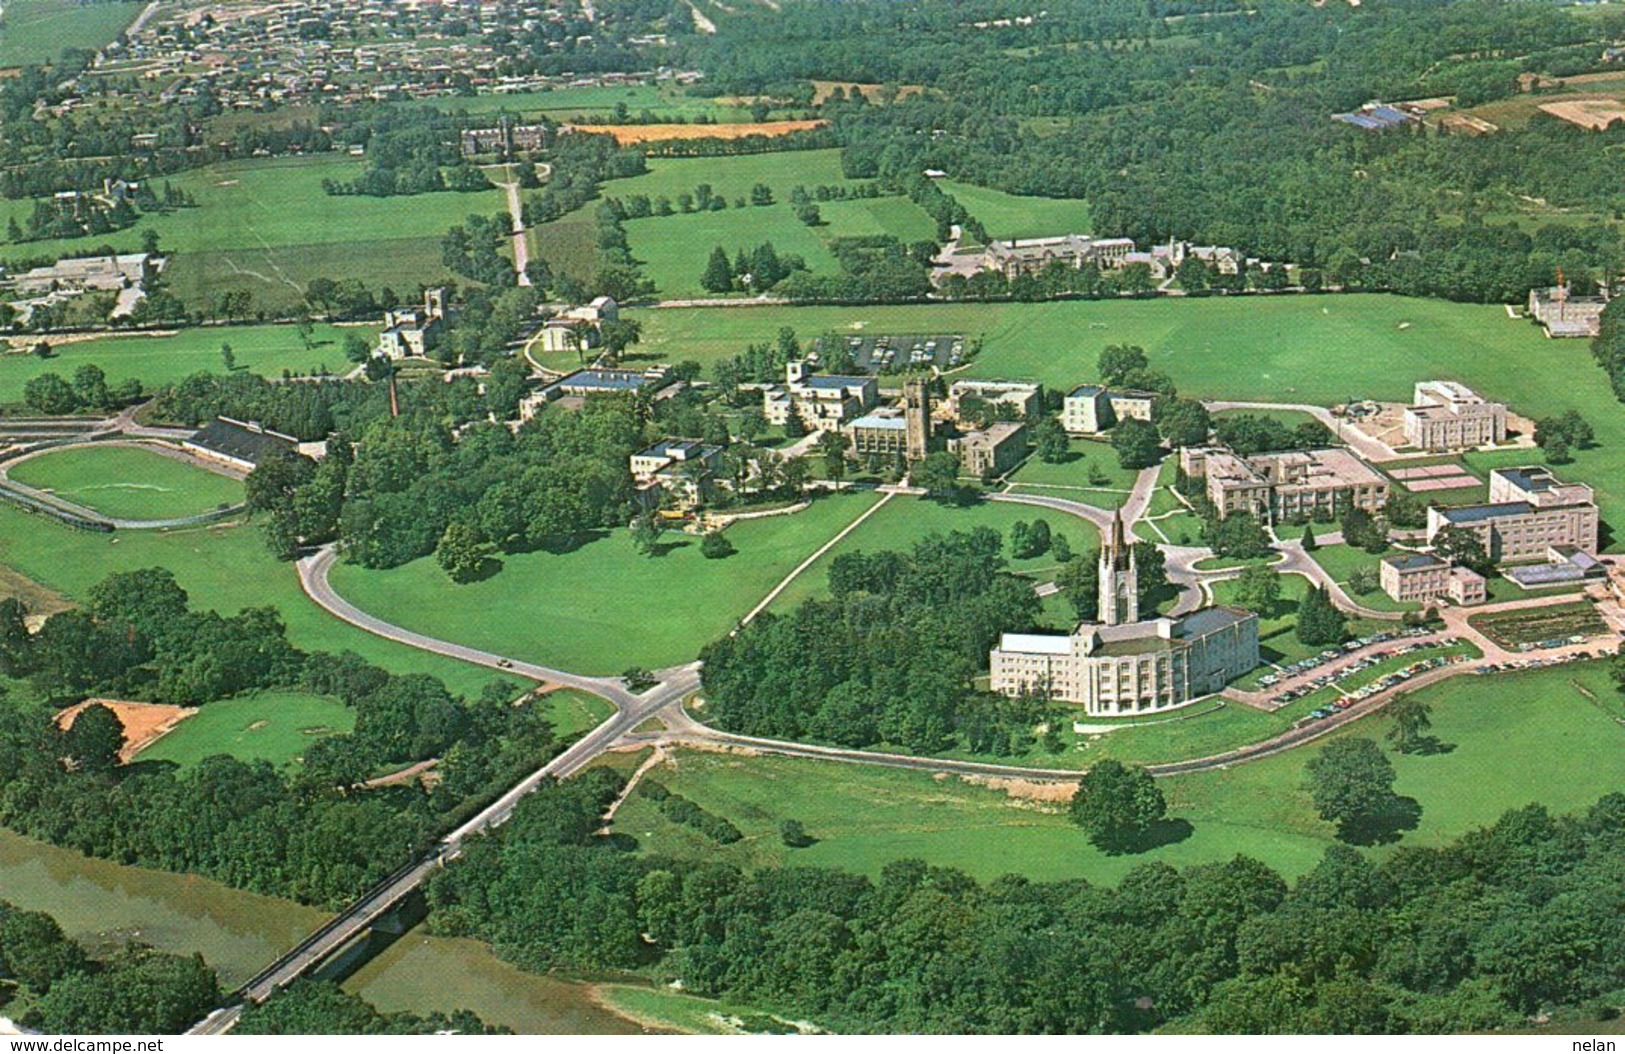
267, 726
160, 359
1016, 216
1516, 738
1317, 349
603, 607
905, 520
223, 568
128, 482
35, 31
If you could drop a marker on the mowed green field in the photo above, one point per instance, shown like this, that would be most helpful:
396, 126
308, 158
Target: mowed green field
598, 103
674, 249
165, 358
266, 225
603, 607
36, 31
225, 568
1016, 216
1516, 738
1091, 474
905, 520
1317, 349
268, 726
128, 482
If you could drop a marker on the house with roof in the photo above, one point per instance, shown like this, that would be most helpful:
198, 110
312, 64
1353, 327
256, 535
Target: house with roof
1445, 417
683, 468
1285, 485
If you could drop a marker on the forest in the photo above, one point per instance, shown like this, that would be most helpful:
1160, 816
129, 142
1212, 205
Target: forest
1508, 921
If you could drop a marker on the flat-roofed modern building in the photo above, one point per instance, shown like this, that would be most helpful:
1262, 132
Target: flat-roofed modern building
1090, 409
1288, 485
1446, 416
1528, 513
823, 402
883, 433
1122, 664
1423, 577
685, 468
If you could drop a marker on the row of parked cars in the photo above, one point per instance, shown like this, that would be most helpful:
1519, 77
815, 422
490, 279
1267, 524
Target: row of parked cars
1364, 663
1382, 684
1535, 664
1555, 642
1332, 654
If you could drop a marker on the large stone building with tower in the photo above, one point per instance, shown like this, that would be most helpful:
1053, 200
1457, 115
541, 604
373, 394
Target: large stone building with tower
1122, 664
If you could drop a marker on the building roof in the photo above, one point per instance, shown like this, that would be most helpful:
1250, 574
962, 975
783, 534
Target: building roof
1085, 391
241, 441
1529, 477
1411, 561
680, 449
880, 421
833, 381
1479, 513
1035, 643
602, 380
1209, 620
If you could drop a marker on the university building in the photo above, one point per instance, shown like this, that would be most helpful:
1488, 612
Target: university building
1091, 409
1529, 512
1446, 417
823, 402
1423, 578
1287, 485
1121, 664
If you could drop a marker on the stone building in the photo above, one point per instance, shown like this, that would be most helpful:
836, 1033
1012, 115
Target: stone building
579, 325
1528, 513
1423, 578
414, 332
1288, 485
1446, 417
1121, 664
993, 450
1091, 409
823, 402
1024, 400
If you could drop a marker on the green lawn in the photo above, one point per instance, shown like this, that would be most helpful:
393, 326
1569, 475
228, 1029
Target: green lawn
597, 102
1277, 628
603, 607
733, 177
664, 1008
1341, 561
1092, 475
35, 31
573, 712
673, 249
269, 726
905, 520
130, 483
223, 568
897, 216
1013, 216
1517, 738
164, 359
1319, 349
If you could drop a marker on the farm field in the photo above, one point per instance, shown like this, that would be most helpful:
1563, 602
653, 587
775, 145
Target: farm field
628, 134
1516, 738
267, 726
905, 520
160, 359
226, 568
603, 607
35, 31
128, 482
1017, 216
1251, 348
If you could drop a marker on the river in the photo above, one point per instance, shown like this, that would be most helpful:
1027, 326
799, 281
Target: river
102, 903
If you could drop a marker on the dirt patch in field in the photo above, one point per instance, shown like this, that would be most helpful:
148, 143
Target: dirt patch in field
143, 722
659, 133
1027, 790
824, 89
1595, 114
41, 601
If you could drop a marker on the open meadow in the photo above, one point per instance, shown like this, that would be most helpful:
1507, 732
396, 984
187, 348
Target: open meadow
36, 31
1090, 474
157, 359
1514, 739
1316, 349
128, 482
265, 726
225, 568
603, 607
1016, 216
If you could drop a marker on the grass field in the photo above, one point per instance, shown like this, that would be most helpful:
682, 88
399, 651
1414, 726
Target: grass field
1342, 561
1092, 475
268, 726
603, 607
664, 1008
266, 225
224, 568
130, 483
163, 359
906, 520
1319, 349
673, 249
573, 713
1277, 629
598, 102
1516, 739
35, 31
1014, 216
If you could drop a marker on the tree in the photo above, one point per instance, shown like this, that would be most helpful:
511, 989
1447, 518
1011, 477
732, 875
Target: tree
95, 738
716, 546
1462, 547
1351, 783
305, 332
50, 394
356, 348
228, 357
794, 835
1118, 362
1364, 581
1182, 422
1079, 580
719, 275
1238, 535
1410, 718
1319, 621
1116, 804
1259, 589
938, 474
90, 387
1309, 543
462, 552
832, 447
1050, 442
1137, 443
646, 530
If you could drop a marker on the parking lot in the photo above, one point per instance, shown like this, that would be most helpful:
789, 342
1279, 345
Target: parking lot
896, 352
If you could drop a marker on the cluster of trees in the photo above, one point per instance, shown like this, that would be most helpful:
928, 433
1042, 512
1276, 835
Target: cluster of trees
474, 247
321, 1008
66, 990
1249, 434
1079, 579
87, 389
1563, 434
1506, 921
1608, 346
945, 209
890, 658
875, 267
761, 269
1319, 621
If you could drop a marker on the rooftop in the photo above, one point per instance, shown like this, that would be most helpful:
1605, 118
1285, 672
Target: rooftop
1035, 643
1480, 513
1085, 391
880, 421
1411, 561
1208, 620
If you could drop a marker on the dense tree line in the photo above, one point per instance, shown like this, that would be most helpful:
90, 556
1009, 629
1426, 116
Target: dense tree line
882, 661
322, 1008
1506, 921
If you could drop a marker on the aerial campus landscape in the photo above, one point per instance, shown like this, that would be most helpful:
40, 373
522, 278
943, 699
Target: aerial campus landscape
786, 516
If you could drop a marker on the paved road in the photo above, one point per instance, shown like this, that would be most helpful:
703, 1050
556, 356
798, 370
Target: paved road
521, 244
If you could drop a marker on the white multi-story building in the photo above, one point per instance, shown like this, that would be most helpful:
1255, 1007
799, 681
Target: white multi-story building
1528, 513
1446, 416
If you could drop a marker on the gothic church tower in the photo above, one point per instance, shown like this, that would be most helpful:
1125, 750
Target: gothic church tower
1119, 581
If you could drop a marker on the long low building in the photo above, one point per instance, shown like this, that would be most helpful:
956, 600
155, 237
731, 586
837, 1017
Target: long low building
1529, 512
1288, 485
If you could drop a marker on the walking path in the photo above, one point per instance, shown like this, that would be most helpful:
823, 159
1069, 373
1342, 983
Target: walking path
521, 240
813, 559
